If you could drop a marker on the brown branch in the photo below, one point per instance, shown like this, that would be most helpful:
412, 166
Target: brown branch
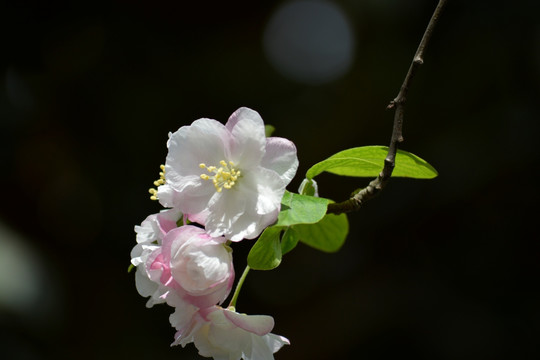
398, 104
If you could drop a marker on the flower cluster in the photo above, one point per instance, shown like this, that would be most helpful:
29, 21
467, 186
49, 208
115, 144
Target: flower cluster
220, 184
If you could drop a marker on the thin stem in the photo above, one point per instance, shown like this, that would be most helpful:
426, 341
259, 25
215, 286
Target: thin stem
239, 287
398, 104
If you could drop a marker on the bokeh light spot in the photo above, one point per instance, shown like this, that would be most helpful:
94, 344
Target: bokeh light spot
310, 41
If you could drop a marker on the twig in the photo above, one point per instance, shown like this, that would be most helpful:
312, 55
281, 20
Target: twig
398, 104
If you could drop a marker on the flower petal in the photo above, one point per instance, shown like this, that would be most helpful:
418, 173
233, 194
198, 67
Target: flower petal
192, 197
145, 286
239, 218
199, 217
281, 157
275, 342
167, 220
270, 190
244, 227
182, 317
224, 212
205, 140
248, 138
263, 347
256, 324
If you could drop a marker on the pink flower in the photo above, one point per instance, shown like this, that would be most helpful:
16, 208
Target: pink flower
149, 239
196, 266
230, 178
227, 335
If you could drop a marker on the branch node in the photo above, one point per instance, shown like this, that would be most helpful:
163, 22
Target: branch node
375, 186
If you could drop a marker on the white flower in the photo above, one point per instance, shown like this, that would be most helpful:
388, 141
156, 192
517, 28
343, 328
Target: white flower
227, 335
229, 177
149, 239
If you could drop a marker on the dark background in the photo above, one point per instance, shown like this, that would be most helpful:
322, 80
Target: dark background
440, 269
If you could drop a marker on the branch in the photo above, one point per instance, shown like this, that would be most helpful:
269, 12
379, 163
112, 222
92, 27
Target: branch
398, 104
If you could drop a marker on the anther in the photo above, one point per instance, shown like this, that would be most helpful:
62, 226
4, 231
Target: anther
223, 177
158, 183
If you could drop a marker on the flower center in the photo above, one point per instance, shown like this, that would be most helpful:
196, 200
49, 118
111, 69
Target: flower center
157, 183
224, 176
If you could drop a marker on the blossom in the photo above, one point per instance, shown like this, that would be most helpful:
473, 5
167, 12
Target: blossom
149, 239
230, 178
194, 266
227, 335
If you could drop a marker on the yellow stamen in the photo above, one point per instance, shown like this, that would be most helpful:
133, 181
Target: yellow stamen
158, 183
224, 176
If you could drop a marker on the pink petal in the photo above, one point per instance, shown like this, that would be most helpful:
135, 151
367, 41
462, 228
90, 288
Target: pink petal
200, 217
167, 220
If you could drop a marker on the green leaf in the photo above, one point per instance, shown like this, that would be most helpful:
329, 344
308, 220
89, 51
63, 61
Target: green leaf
130, 267
327, 235
289, 240
368, 161
301, 209
269, 130
266, 253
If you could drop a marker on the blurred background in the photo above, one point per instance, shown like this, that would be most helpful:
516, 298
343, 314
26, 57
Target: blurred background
440, 269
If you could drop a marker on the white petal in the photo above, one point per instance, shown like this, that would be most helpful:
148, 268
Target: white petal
275, 342
243, 113
263, 347
205, 140
224, 336
183, 314
270, 190
186, 334
167, 196
145, 286
245, 210
248, 138
192, 198
256, 324
251, 225
258, 350
245, 227
224, 212
148, 230
207, 349
281, 157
